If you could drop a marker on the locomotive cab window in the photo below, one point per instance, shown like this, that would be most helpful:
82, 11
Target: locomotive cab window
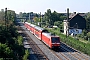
55, 39
45, 31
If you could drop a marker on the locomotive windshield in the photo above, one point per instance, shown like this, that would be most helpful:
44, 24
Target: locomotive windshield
45, 31
55, 39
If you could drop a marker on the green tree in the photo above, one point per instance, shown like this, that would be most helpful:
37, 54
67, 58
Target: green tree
24, 14
88, 34
55, 17
10, 41
20, 14
20, 40
36, 19
25, 57
2, 15
48, 15
84, 32
87, 17
62, 18
58, 23
5, 51
11, 15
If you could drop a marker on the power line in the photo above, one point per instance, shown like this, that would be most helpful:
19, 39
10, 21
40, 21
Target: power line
6, 18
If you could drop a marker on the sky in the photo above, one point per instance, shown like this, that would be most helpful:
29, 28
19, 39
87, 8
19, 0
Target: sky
38, 6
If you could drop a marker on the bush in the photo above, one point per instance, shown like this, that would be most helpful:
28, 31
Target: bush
88, 34
20, 40
25, 57
83, 47
5, 51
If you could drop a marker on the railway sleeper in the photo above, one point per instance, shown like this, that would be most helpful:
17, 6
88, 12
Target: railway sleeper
38, 52
43, 59
40, 56
35, 51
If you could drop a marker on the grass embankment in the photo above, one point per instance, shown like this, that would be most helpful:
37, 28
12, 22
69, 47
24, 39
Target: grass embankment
81, 46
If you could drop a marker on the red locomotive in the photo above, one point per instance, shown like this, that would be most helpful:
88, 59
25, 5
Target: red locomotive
50, 40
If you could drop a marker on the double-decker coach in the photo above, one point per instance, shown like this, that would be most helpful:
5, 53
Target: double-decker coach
32, 28
52, 41
38, 32
27, 25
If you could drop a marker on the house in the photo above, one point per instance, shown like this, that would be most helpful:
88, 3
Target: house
77, 21
75, 24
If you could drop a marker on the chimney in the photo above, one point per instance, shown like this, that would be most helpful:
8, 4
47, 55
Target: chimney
74, 12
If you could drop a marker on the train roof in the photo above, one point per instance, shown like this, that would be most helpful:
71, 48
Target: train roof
39, 28
27, 23
49, 35
32, 25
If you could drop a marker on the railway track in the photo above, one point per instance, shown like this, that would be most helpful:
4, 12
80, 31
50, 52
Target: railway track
60, 56
37, 51
44, 48
65, 52
70, 54
74, 53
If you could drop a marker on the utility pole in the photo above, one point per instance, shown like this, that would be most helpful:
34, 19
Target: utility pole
40, 20
67, 31
29, 16
6, 18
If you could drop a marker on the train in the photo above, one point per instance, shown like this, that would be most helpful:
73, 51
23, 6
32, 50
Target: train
51, 40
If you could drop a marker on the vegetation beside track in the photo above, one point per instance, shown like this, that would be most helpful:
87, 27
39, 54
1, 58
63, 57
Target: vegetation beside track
83, 47
11, 46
